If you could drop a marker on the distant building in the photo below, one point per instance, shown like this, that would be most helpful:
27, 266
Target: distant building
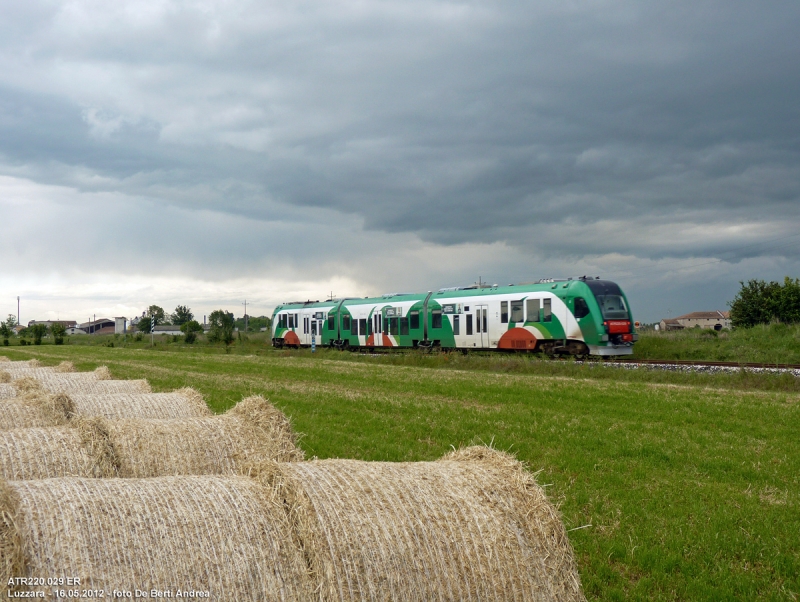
698, 319
75, 330
167, 329
101, 326
49, 323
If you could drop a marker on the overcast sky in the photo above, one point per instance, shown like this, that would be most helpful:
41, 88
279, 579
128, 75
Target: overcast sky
204, 153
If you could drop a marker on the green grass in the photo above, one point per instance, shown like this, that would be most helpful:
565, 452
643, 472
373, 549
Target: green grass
690, 485
775, 343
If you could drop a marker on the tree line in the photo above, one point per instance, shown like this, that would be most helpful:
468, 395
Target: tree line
760, 302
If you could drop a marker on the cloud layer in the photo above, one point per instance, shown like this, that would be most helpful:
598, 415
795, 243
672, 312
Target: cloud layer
276, 148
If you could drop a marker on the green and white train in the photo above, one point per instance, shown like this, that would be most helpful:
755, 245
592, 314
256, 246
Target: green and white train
584, 316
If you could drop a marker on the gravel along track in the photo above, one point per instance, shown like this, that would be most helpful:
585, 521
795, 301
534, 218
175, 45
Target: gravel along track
703, 367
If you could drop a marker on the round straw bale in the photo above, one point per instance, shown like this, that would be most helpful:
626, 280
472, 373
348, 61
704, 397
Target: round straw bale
58, 451
66, 366
26, 384
34, 363
12, 556
34, 409
5, 376
103, 373
473, 525
86, 382
254, 431
184, 403
224, 535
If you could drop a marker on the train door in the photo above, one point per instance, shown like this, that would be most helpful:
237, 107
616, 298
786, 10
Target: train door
482, 325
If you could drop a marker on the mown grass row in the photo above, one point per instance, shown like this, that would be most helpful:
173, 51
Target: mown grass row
673, 491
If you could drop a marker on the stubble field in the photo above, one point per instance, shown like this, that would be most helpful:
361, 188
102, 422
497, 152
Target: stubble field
674, 487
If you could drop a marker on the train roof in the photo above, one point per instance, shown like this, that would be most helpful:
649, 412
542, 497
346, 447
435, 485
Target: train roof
595, 285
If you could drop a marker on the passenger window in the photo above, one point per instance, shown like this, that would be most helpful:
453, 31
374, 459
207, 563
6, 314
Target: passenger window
581, 308
313, 327
331, 322
345, 322
414, 320
504, 312
469, 324
533, 310
363, 326
291, 321
393, 326
386, 326
548, 314
354, 326
516, 312
403, 326
456, 324
436, 318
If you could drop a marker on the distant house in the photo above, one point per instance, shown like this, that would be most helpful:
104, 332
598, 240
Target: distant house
698, 319
49, 323
167, 329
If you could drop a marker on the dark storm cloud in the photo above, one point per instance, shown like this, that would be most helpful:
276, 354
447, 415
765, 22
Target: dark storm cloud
564, 130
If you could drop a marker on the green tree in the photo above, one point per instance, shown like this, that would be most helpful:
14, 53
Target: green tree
182, 315
221, 330
11, 321
760, 302
37, 332
58, 330
5, 333
191, 326
145, 323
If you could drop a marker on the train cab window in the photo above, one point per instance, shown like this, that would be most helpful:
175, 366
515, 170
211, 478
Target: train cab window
331, 322
403, 326
516, 312
581, 308
413, 319
363, 326
548, 311
436, 318
393, 326
533, 310
456, 324
345, 322
504, 312
469, 324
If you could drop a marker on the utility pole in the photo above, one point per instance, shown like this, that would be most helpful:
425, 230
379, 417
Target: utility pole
152, 329
17, 309
245, 316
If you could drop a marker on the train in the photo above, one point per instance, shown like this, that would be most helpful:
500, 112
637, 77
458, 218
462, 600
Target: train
579, 317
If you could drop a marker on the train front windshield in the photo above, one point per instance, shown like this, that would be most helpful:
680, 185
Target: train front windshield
609, 298
613, 307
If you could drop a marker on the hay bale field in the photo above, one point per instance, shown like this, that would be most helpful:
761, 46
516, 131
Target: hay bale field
219, 534
46, 452
184, 403
473, 525
35, 409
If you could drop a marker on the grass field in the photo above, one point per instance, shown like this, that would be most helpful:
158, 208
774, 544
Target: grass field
676, 487
775, 343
